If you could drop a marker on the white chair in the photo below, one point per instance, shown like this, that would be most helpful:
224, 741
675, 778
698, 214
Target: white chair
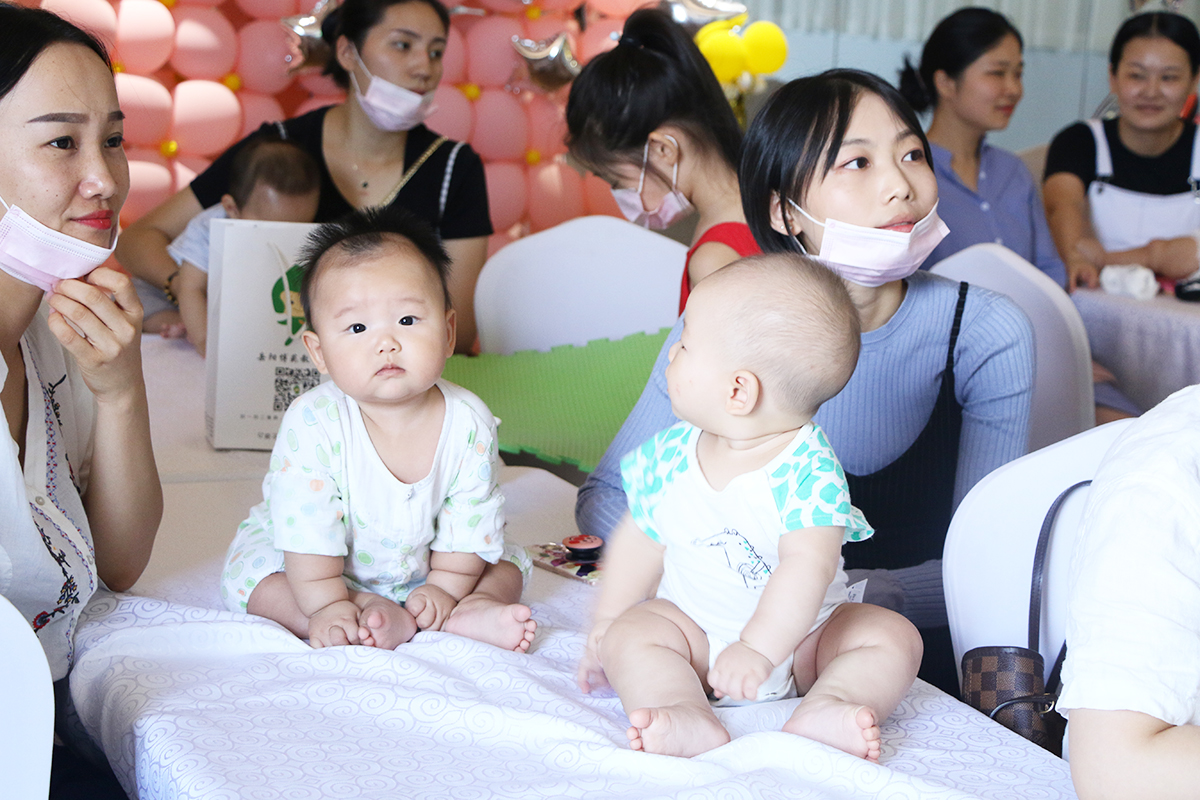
1063, 400
589, 278
26, 708
988, 560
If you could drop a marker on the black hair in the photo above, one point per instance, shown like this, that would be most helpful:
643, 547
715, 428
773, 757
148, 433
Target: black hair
26, 32
795, 139
273, 161
1175, 27
363, 232
654, 76
354, 20
955, 44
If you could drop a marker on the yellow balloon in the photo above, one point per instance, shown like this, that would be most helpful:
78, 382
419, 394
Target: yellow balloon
766, 47
726, 54
719, 26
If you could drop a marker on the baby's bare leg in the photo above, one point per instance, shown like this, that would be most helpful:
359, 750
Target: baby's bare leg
853, 672
493, 612
654, 656
272, 598
382, 622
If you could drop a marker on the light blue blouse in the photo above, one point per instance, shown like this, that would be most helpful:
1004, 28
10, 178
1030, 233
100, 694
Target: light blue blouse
1006, 210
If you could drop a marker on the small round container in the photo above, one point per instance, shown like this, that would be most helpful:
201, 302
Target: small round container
583, 548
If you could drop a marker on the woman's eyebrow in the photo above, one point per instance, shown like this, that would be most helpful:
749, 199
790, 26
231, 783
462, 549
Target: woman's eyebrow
901, 136
417, 35
76, 119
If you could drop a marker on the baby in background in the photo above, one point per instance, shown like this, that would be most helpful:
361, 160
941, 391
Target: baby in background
725, 579
270, 179
381, 510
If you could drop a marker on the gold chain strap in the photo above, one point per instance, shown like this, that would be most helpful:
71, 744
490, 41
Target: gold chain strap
413, 170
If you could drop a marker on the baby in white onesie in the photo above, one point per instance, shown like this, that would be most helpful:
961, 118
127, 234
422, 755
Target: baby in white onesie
381, 513
725, 580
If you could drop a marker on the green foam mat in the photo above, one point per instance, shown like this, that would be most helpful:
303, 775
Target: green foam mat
566, 404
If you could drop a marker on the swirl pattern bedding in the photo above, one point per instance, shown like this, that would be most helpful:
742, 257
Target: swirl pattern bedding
190, 701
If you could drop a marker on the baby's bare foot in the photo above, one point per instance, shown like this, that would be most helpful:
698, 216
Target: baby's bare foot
383, 623
846, 726
507, 625
679, 730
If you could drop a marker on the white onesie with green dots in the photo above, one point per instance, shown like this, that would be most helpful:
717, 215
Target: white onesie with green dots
722, 546
329, 493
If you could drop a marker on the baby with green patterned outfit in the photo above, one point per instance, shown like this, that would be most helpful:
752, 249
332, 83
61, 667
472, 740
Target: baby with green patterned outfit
381, 512
725, 580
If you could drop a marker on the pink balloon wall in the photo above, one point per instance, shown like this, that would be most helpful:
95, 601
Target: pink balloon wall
194, 76
487, 99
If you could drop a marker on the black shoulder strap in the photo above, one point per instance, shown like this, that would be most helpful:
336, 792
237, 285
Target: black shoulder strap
1039, 564
958, 315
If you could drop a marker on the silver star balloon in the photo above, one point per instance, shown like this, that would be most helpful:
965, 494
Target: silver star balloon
695, 14
551, 63
308, 49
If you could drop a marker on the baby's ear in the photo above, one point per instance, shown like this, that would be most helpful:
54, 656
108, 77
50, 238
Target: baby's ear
451, 329
231, 207
745, 391
312, 343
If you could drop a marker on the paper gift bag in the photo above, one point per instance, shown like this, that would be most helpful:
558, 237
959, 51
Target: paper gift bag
256, 363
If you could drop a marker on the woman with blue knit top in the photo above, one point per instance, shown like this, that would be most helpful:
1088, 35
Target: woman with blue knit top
836, 165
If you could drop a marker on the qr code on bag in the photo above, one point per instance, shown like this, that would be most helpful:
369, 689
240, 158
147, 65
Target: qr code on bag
291, 382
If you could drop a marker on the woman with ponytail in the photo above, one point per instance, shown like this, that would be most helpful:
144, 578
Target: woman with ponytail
970, 75
650, 118
371, 150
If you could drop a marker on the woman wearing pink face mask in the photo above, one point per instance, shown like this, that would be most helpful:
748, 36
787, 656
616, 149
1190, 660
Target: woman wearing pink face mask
371, 150
836, 166
81, 499
650, 118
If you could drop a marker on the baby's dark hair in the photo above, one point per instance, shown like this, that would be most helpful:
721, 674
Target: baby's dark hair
273, 161
364, 232
793, 324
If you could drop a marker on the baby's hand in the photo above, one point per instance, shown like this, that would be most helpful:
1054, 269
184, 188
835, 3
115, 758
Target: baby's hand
738, 672
335, 624
430, 606
590, 674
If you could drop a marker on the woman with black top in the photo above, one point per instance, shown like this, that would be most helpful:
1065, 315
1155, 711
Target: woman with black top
371, 150
1125, 190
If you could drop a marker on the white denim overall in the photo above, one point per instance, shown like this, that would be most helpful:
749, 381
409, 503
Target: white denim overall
1124, 219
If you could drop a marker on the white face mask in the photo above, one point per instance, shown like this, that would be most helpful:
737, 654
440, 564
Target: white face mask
33, 253
391, 107
873, 256
674, 205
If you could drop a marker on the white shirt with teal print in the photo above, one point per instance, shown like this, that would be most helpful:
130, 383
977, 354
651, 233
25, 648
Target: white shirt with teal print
329, 493
721, 547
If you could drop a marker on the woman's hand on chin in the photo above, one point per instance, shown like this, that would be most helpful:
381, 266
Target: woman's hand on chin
98, 320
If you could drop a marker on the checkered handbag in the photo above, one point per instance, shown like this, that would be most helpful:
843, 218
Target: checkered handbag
1005, 682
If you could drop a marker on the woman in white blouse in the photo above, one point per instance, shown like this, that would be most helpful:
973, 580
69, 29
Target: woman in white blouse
81, 499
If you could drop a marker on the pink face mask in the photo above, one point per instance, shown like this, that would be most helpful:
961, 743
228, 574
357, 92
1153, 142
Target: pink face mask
873, 257
674, 205
35, 254
391, 107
